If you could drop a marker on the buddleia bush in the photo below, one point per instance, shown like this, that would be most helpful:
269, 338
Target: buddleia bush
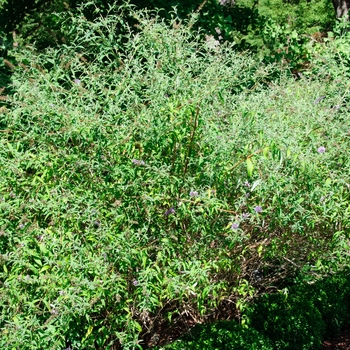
151, 175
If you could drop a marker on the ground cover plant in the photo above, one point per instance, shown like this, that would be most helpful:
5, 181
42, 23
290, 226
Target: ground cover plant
155, 177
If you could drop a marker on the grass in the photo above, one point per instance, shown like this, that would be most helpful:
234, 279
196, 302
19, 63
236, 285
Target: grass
147, 176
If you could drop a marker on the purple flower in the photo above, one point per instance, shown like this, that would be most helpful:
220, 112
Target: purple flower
21, 226
54, 311
245, 215
321, 149
193, 194
138, 162
319, 99
246, 184
169, 211
77, 81
135, 282
258, 209
228, 3
211, 42
234, 226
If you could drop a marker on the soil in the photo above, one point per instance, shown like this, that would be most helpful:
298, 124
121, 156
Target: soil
340, 342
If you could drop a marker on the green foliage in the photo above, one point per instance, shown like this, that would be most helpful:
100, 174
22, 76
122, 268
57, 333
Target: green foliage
331, 297
290, 321
306, 16
331, 60
298, 317
282, 44
276, 30
243, 23
13, 11
154, 173
222, 336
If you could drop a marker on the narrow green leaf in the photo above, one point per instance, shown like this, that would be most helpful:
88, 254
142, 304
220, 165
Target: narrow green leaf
250, 167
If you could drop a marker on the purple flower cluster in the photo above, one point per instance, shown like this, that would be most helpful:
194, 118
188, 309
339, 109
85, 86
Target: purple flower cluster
193, 194
258, 209
321, 149
319, 99
211, 42
54, 311
218, 32
138, 162
234, 226
227, 3
170, 211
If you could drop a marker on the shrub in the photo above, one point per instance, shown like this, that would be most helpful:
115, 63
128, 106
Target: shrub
221, 336
290, 321
155, 173
331, 297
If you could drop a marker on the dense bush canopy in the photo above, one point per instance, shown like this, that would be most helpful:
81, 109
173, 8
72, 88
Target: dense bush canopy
151, 172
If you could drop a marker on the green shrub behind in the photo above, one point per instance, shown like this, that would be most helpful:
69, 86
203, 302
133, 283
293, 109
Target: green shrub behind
331, 297
291, 322
222, 336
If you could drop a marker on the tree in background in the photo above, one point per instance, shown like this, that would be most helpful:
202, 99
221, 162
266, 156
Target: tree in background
341, 8
13, 12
